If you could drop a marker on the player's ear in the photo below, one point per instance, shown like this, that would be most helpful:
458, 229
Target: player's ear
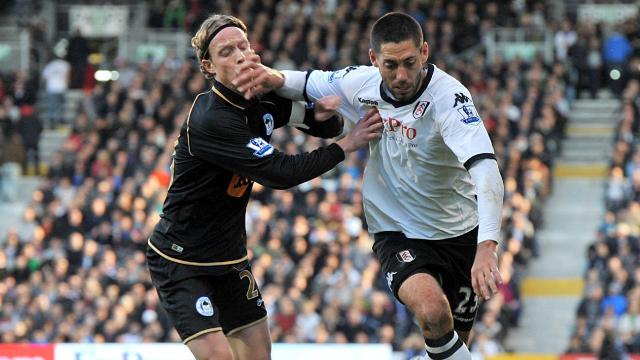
424, 51
208, 65
373, 58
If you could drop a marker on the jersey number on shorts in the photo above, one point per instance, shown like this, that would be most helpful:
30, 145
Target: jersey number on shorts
462, 306
252, 292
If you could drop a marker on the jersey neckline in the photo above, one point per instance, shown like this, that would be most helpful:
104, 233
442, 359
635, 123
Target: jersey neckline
230, 96
423, 87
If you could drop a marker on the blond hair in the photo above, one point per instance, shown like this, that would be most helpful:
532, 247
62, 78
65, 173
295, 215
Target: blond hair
201, 40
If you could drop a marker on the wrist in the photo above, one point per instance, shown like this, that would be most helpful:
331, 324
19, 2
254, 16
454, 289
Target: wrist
278, 79
344, 144
488, 244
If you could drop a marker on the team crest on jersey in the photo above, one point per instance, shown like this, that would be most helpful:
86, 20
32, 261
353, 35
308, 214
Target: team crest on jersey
406, 256
420, 109
338, 74
268, 123
261, 147
204, 306
469, 115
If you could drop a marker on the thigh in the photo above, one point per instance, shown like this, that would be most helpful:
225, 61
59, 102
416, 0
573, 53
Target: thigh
240, 301
422, 294
212, 345
188, 300
253, 342
400, 258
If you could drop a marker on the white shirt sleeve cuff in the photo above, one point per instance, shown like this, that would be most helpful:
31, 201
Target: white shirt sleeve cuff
297, 115
294, 83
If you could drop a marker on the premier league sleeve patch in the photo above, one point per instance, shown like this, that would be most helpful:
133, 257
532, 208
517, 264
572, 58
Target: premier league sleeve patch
260, 146
468, 114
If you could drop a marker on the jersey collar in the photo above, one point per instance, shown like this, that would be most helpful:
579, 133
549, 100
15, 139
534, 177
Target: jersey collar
229, 96
425, 83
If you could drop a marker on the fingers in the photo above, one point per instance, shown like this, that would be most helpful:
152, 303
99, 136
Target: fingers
485, 283
248, 73
372, 121
371, 112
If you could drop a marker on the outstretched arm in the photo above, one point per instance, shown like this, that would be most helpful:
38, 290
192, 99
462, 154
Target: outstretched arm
485, 276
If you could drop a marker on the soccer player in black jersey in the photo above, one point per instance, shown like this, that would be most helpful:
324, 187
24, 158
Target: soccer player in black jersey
197, 253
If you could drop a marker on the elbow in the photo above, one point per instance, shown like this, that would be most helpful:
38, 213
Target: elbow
279, 181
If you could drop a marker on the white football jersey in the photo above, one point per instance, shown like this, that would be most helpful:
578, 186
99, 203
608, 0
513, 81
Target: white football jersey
415, 181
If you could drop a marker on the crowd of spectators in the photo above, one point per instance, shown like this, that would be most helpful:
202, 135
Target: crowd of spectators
73, 269
607, 318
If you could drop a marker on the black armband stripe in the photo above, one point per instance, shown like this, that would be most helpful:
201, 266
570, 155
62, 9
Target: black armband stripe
472, 160
304, 90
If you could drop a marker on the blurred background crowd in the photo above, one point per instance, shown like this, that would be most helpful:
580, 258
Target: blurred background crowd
608, 321
73, 269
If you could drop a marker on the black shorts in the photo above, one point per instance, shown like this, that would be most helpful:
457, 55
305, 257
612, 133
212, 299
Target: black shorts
201, 299
449, 261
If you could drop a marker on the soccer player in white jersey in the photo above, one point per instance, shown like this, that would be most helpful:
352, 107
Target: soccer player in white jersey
432, 189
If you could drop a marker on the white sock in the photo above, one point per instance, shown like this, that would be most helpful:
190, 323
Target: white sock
450, 346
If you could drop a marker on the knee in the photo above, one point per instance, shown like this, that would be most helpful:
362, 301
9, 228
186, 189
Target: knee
434, 318
218, 356
264, 353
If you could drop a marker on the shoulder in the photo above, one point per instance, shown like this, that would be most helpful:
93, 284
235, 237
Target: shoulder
353, 73
354, 80
447, 91
210, 113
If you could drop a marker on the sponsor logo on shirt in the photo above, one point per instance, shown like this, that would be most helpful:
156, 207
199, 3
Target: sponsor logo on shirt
395, 125
420, 109
469, 115
460, 98
341, 73
262, 148
204, 306
268, 123
368, 101
406, 256
237, 185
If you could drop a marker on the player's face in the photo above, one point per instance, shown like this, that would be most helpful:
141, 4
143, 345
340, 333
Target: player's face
401, 66
228, 48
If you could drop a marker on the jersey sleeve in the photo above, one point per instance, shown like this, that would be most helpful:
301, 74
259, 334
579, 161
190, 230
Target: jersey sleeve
228, 143
461, 127
285, 109
301, 115
317, 84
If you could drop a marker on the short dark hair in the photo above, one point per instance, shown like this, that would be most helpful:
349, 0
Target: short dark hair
395, 27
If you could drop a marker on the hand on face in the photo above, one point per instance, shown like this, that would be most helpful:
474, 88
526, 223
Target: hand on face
253, 78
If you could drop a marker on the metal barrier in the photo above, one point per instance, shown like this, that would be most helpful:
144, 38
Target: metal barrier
155, 44
526, 43
14, 48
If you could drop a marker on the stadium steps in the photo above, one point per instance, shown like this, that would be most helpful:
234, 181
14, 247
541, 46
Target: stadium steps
11, 211
51, 141
553, 285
